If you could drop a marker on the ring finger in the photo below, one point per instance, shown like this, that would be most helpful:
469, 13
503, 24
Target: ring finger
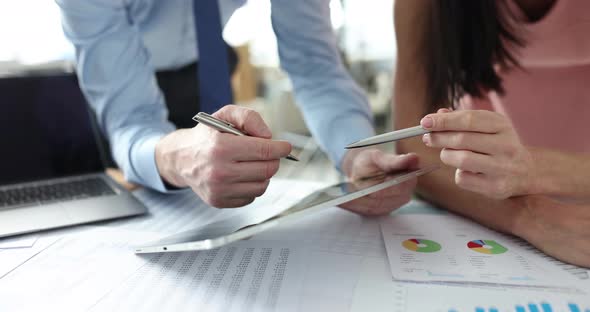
477, 142
468, 160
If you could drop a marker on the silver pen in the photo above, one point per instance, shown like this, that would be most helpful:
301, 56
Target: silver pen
224, 126
389, 137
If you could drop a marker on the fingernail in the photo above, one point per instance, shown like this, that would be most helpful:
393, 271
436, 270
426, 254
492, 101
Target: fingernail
265, 132
426, 122
426, 139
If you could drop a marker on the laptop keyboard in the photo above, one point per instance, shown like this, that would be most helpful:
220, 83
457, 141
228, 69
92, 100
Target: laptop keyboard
40, 194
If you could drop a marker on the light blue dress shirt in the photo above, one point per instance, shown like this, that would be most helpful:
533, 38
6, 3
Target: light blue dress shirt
121, 43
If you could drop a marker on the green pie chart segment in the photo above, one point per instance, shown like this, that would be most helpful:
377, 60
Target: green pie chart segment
487, 246
421, 245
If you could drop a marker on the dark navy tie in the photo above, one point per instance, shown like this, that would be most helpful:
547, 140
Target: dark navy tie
214, 77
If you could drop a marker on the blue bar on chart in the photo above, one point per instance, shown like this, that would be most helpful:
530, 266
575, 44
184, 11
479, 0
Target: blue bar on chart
574, 307
546, 307
480, 309
533, 307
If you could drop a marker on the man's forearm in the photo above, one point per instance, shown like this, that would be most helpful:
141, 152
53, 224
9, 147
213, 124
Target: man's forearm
123, 92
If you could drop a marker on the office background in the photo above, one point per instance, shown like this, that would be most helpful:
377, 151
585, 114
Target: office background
33, 42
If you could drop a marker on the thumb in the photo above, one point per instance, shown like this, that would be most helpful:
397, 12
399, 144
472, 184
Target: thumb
245, 119
392, 162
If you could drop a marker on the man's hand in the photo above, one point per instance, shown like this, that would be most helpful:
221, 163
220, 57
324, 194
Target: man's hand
485, 150
225, 170
359, 164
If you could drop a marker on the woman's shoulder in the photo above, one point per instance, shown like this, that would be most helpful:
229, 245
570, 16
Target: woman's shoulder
560, 38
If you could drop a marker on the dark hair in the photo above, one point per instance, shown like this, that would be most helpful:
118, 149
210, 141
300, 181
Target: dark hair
465, 39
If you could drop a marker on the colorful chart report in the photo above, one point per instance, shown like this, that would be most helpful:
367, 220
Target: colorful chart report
448, 248
421, 245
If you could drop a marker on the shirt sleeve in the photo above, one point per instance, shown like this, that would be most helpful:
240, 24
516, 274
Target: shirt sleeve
118, 81
334, 107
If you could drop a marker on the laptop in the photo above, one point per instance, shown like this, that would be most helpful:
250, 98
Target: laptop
52, 166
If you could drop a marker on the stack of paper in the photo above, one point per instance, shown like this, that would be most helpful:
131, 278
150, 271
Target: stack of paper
98, 271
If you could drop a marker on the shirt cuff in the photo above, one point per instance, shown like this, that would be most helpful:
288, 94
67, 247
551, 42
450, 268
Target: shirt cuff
349, 131
143, 158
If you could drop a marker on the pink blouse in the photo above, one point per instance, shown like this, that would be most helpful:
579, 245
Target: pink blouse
548, 100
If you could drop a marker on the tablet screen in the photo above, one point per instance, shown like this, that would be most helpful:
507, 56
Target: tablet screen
218, 234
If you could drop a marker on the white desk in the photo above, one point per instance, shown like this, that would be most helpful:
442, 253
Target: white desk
338, 263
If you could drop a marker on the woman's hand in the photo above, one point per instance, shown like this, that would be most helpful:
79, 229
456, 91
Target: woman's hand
484, 148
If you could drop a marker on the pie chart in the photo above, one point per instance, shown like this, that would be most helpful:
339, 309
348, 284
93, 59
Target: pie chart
490, 247
421, 245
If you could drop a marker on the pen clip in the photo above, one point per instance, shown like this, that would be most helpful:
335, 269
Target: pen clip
200, 116
218, 123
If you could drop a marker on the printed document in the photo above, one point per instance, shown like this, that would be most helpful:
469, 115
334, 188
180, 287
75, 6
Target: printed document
98, 271
377, 292
448, 248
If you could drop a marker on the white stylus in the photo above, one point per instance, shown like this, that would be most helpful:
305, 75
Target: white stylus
389, 137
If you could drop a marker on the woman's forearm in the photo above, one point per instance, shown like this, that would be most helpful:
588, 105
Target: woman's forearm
560, 174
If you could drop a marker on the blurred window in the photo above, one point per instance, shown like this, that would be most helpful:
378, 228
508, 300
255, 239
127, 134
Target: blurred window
31, 32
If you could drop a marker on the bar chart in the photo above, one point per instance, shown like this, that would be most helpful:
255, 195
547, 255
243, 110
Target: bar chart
532, 307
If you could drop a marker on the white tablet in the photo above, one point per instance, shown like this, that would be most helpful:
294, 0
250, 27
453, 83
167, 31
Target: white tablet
216, 235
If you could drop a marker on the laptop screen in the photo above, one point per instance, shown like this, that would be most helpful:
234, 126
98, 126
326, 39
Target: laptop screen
45, 129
